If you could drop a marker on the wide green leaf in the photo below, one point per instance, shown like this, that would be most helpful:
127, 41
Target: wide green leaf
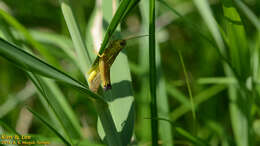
120, 98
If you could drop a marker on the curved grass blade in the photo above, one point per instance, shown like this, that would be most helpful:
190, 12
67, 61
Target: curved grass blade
28, 62
19, 27
124, 8
117, 18
49, 125
240, 98
188, 86
250, 15
205, 12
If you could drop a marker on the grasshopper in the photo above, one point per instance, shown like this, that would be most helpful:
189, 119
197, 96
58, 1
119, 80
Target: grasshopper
100, 69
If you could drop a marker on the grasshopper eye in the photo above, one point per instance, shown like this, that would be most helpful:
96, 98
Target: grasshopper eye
123, 43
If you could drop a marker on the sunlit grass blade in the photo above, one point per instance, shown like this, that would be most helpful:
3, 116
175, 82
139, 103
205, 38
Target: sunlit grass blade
49, 125
28, 62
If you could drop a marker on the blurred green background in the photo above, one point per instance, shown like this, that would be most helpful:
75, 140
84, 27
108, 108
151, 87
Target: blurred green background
213, 89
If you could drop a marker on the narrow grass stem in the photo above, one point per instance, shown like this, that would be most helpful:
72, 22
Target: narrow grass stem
152, 73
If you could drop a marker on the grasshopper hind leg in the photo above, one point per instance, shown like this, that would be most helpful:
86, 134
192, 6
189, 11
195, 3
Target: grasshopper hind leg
107, 87
105, 74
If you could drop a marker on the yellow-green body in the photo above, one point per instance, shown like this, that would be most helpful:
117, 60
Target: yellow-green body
100, 70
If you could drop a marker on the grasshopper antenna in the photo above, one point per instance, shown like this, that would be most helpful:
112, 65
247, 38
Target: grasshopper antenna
135, 37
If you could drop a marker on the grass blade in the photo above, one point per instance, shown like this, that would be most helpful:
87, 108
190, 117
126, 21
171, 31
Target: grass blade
165, 129
189, 137
250, 15
193, 139
58, 40
28, 62
117, 18
16, 99
62, 106
200, 98
143, 98
206, 14
56, 109
80, 47
8, 128
19, 27
123, 9
152, 72
188, 86
49, 125
241, 98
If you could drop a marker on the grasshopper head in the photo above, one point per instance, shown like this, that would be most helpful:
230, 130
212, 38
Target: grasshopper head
121, 43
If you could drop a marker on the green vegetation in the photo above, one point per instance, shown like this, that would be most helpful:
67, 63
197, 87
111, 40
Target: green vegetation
194, 80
